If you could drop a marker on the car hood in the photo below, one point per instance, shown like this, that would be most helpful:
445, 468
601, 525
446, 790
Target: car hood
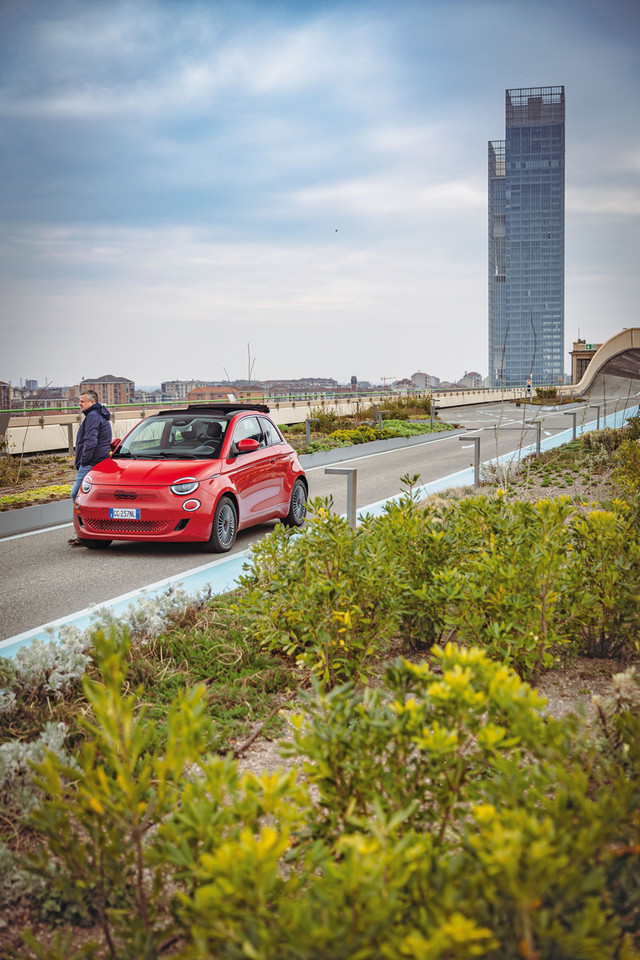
151, 472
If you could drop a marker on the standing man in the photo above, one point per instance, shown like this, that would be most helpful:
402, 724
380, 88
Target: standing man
93, 442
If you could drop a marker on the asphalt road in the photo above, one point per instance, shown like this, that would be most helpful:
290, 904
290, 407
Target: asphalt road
45, 579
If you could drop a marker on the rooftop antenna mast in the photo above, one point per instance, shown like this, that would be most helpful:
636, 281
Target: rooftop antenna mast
250, 365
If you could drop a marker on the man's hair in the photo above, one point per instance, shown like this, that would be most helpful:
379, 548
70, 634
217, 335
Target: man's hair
91, 394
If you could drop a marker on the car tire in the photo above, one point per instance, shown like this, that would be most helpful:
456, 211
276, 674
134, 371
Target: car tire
297, 505
224, 528
95, 544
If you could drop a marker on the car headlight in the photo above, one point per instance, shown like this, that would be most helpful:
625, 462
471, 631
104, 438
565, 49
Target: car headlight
86, 484
184, 485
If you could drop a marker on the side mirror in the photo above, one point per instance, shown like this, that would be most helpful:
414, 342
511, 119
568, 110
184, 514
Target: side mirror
115, 444
247, 445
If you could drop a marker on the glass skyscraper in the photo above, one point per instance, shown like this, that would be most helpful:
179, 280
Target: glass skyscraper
526, 240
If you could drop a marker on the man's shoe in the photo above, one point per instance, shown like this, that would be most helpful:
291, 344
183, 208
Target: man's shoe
74, 542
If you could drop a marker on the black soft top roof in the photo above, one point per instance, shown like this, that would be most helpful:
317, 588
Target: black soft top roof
223, 409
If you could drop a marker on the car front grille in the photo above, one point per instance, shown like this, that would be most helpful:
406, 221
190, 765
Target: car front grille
127, 526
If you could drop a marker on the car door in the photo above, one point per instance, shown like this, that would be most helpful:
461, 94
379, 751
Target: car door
279, 465
251, 473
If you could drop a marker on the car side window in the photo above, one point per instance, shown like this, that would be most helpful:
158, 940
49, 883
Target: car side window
271, 435
248, 427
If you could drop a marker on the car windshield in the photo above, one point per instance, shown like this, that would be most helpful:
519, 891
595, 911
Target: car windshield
176, 436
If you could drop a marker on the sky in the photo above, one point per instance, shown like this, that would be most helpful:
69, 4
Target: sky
203, 189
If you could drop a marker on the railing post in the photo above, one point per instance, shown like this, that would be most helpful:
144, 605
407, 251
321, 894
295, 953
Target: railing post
70, 438
574, 414
596, 406
538, 425
476, 458
380, 412
352, 478
4, 427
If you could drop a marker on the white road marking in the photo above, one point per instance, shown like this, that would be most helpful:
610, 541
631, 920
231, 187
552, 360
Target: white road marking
380, 453
32, 533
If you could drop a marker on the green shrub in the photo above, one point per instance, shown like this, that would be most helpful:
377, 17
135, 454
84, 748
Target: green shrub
97, 820
505, 827
527, 582
627, 466
328, 420
38, 493
602, 441
316, 595
417, 537
518, 579
600, 600
503, 594
358, 435
453, 820
632, 428
400, 408
546, 393
616, 729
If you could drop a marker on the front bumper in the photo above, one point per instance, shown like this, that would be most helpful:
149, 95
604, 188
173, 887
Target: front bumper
169, 524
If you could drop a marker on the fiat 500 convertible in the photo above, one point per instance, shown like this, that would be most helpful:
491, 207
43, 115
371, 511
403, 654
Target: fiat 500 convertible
201, 474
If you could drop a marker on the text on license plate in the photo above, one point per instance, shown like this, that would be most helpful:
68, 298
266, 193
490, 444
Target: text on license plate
124, 513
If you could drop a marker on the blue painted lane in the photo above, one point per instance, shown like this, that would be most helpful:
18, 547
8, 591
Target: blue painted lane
219, 576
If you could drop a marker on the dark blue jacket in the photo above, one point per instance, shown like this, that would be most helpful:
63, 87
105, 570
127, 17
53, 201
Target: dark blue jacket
93, 442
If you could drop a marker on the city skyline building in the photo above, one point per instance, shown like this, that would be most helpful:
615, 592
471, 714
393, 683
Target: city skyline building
111, 390
526, 239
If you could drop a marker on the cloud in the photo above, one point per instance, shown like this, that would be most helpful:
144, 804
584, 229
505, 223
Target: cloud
394, 195
152, 292
175, 173
151, 61
596, 201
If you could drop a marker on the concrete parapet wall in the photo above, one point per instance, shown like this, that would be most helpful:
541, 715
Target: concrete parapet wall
36, 434
42, 515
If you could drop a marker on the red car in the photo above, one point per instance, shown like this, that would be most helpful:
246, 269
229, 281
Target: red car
198, 474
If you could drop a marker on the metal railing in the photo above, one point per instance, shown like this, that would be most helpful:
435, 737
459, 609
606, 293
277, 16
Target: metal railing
318, 399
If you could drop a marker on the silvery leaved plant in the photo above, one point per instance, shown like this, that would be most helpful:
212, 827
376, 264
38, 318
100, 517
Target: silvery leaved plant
7, 701
51, 665
18, 792
15, 883
55, 664
150, 615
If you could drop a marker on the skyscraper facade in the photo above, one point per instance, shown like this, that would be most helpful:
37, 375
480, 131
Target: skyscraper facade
526, 240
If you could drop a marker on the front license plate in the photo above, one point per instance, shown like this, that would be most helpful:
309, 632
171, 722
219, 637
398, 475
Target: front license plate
124, 513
